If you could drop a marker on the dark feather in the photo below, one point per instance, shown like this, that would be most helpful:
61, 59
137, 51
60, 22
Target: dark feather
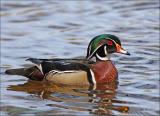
32, 73
39, 61
35, 60
44, 66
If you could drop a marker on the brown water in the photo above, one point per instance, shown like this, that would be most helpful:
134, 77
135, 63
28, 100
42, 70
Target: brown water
52, 29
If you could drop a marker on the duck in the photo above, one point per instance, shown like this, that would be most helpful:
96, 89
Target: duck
95, 68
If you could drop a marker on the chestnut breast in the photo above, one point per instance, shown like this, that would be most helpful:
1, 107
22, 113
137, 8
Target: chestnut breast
104, 71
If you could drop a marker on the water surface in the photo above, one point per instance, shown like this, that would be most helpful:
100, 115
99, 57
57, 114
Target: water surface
52, 29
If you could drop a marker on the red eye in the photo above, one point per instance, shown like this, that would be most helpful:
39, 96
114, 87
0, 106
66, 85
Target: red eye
110, 42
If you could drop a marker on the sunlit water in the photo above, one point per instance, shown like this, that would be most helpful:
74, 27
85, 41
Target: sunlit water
52, 29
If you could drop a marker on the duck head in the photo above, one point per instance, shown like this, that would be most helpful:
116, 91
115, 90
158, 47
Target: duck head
103, 45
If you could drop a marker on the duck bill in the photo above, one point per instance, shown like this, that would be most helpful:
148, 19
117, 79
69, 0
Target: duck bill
121, 50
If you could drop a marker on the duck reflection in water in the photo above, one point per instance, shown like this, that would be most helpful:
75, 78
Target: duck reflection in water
100, 97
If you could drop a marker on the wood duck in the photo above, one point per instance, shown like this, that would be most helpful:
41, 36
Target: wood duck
78, 71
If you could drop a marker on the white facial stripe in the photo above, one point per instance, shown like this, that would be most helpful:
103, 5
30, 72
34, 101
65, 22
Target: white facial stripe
102, 58
94, 52
112, 40
93, 77
105, 50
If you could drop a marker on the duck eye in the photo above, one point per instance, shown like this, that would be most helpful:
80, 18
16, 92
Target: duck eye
110, 43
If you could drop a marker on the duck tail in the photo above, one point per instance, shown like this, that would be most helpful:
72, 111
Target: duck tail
32, 73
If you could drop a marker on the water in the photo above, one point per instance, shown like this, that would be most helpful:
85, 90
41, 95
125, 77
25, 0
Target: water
52, 29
